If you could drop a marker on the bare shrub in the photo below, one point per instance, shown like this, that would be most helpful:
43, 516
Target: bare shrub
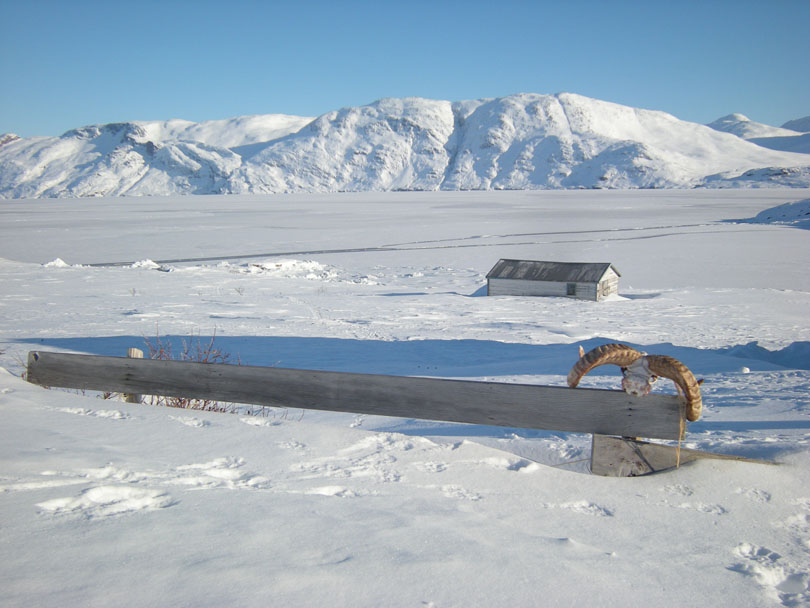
199, 351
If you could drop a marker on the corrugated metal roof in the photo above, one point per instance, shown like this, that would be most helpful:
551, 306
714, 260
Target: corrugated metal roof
567, 272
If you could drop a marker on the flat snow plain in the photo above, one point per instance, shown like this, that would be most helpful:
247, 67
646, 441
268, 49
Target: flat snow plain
106, 503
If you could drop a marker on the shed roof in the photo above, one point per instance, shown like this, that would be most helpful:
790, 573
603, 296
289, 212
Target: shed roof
569, 272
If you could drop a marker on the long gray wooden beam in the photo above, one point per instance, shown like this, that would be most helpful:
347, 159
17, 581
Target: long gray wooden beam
489, 403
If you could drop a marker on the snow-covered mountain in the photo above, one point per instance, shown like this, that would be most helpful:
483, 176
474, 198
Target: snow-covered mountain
785, 138
802, 125
524, 141
742, 126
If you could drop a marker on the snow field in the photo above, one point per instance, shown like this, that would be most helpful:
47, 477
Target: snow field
316, 508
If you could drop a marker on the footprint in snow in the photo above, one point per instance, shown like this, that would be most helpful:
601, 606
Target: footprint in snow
106, 501
27, 486
372, 456
219, 473
430, 467
583, 507
386, 442
511, 464
703, 508
116, 490
799, 524
336, 491
678, 490
57, 479
82, 411
292, 445
754, 494
454, 491
779, 578
259, 421
191, 421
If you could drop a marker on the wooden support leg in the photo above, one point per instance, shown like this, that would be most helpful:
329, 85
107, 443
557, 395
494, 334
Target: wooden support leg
625, 457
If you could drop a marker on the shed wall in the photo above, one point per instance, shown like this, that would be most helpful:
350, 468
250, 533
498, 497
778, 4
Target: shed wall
517, 287
609, 285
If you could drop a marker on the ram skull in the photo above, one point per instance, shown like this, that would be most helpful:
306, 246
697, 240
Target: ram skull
640, 371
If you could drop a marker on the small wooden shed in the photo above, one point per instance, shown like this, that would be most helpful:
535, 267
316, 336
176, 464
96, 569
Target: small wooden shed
585, 281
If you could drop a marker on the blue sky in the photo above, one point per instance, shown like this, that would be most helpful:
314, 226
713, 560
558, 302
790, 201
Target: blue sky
71, 63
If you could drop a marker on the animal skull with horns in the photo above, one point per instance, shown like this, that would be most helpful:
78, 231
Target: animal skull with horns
640, 371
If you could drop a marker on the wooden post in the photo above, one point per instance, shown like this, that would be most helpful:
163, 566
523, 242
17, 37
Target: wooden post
133, 353
626, 457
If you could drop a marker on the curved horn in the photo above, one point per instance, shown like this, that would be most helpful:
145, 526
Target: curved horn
617, 354
667, 367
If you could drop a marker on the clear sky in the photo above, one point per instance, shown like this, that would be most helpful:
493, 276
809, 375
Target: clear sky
70, 63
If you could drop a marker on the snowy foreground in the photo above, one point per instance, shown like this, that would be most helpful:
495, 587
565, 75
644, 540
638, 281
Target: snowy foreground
106, 503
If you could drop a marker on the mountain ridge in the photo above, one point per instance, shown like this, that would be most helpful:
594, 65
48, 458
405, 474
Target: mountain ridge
522, 141
802, 125
782, 138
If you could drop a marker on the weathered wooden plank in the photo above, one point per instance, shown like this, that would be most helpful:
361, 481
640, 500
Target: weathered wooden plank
624, 457
489, 403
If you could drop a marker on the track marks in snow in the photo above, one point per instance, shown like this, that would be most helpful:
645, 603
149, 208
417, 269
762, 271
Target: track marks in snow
511, 464
780, 578
191, 421
701, 507
460, 493
681, 491
292, 444
259, 421
83, 411
335, 491
783, 574
116, 490
754, 494
385, 458
373, 457
373, 464
219, 473
430, 466
581, 507
106, 501
678, 490
27, 486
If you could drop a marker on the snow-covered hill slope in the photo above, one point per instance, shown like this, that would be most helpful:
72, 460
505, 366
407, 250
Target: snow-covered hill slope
795, 214
228, 133
742, 126
792, 143
802, 125
775, 138
524, 141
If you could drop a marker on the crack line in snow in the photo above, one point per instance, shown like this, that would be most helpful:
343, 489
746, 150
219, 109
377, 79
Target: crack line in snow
413, 246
